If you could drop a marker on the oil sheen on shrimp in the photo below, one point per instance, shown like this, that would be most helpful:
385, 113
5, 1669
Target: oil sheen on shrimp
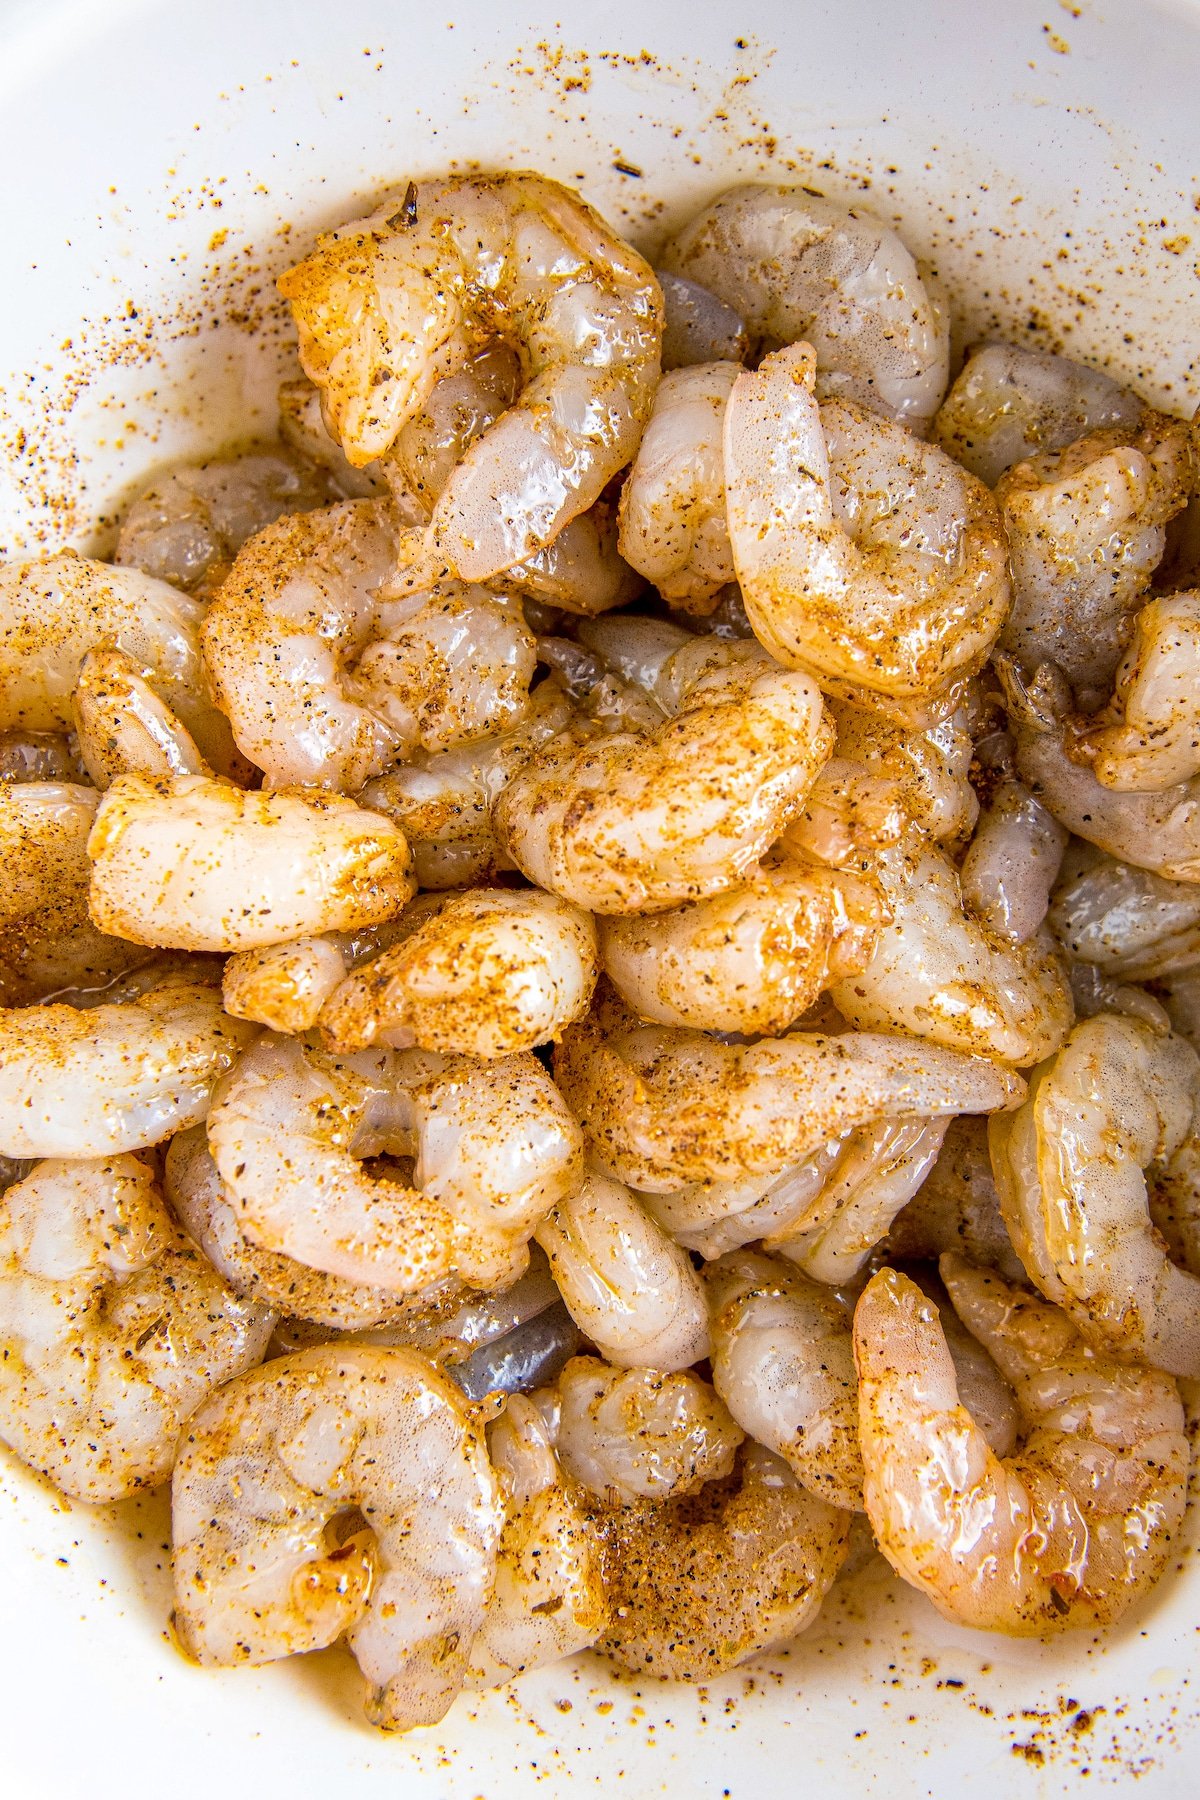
641, 1434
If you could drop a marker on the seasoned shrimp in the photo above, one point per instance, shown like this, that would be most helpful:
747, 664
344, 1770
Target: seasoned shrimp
1148, 737
700, 1583
188, 525
627, 822
929, 766
795, 265
444, 801
326, 682
783, 1363
115, 1327
39, 756
864, 556
639, 1434
114, 1077
1125, 922
665, 1108
673, 528
750, 960
1086, 528
697, 327
1066, 1534
1012, 863
196, 864
627, 1286
1011, 403
485, 972
388, 305
343, 1491
496, 1148
957, 1207
947, 975
548, 1600
1117, 1100
53, 611
714, 1217
122, 726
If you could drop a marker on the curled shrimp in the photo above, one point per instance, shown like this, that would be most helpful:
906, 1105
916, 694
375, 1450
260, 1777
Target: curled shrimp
795, 265
196, 864
1148, 737
750, 960
326, 682
285, 986
627, 1286
115, 1327
640, 1434
664, 1108
1012, 863
1011, 403
124, 728
948, 975
1086, 528
548, 1598
1117, 1100
699, 1583
929, 767
628, 822
341, 1491
1125, 922
485, 972
1067, 1533
389, 304
957, 1207
673, 526
697, 327
114, 1077
495, 1147
54, 610
783, 1363
864, 556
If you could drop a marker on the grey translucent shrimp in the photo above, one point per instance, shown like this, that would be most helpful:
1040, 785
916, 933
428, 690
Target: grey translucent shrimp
340, 1492
1119, 1099
863, 555
115, 1327
640, 1434
957, 1207
795, 265
1067, 1533
697, 327
1129, 924
1012, 863
387, 305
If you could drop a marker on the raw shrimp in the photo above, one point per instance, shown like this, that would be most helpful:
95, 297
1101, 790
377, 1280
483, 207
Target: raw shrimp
486, 972
864, 556
548, 1600
325, 681
673, 528
847, 815
532, 1353
196, 864
193, 1189
1148, 737
664, 1108
750, 960
628, 823
795, 265
95, 1082
53, 611
1011, 864
949, 976
627, 1286
930, 767
123, 727
343, 1491
496, 1148
1066, 1534
115, 1327
640, 1434
39, 756
388, 305
1070, 1166
783, 1363
957, 1207
284, 985
697, 327
188, 525
700, 1583
1127, 923
443, 802
1011, 403
1086, 528
715, 1217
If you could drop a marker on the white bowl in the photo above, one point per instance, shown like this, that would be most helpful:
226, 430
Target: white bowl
166, 160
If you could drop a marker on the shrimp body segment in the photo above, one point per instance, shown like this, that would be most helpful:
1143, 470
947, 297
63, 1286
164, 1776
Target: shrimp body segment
1067, 1533
196, 864
639, 1434
115, 1327
864, 556
269, 1470
388, 305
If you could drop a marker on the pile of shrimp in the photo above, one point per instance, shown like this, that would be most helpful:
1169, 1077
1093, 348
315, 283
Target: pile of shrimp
601, 963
